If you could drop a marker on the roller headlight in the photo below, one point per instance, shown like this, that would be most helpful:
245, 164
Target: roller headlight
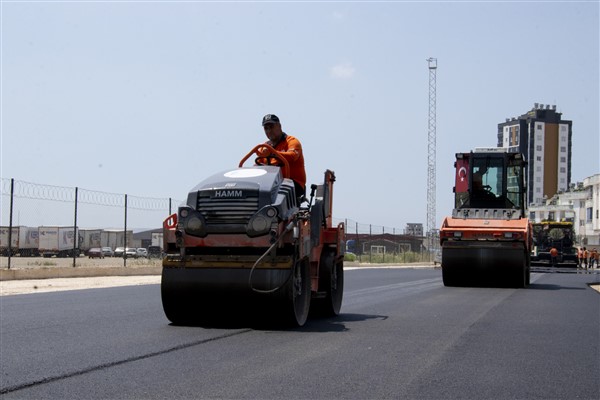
271, 212
259, 223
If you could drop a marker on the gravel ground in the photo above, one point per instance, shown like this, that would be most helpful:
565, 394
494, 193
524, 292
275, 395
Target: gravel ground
41, 262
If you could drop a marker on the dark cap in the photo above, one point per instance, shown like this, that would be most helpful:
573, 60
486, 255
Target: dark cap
270, 119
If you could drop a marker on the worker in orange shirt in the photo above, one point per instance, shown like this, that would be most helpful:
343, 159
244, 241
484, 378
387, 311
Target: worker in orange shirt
579, 257
586, 255
289, 147
554, 256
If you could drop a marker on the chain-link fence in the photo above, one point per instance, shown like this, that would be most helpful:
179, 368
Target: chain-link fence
382, 244
44, 221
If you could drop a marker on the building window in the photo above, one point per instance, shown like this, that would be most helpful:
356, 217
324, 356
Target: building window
538, 190
539, 158
563, 149
562, 180
539, 137
588, 214
551, 215
563, 159
538, 148
538, 179
563, 128
539, 127
532, 215
563, 139
538, 169
563, 170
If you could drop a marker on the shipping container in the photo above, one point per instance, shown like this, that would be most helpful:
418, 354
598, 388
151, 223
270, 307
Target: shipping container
60, 241
24, 241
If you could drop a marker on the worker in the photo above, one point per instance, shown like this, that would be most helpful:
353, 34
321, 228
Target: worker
594, 258
479, 190
579, 257
554, 256
586, 255
289, 147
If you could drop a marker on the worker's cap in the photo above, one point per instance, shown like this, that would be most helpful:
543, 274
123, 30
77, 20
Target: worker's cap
270, 119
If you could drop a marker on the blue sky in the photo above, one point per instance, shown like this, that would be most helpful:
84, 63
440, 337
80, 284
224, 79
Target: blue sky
149, 98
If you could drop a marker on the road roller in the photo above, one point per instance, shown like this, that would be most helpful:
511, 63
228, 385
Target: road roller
244, 244
488, 239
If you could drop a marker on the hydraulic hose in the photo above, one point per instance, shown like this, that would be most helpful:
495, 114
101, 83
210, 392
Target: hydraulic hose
288, 228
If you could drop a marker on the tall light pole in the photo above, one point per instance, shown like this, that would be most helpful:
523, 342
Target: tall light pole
431, 139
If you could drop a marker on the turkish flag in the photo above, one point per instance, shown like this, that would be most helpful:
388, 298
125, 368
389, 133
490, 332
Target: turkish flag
462, 175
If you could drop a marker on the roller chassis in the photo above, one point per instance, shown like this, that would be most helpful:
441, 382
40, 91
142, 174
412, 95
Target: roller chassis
279, 271
488, 239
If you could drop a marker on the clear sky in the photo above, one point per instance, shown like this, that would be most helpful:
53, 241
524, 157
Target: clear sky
149, 98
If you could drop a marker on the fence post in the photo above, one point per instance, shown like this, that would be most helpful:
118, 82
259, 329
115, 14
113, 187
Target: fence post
170, 212
75, 232
10, 222
384, 247
371, 241
358, 249
125, 236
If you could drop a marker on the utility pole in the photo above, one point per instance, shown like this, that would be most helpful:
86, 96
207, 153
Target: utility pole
431, 139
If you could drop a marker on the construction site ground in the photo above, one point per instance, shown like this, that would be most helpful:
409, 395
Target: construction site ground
37, 275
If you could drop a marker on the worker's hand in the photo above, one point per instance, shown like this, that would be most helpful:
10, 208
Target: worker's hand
263, 152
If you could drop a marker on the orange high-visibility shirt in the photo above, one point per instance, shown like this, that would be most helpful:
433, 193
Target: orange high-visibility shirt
553, 252
291, 149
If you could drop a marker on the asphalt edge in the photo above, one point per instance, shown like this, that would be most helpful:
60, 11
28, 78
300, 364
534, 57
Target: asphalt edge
83, 272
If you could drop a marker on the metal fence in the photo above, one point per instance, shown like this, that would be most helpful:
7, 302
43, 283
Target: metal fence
74, 211
82, 211
381, 244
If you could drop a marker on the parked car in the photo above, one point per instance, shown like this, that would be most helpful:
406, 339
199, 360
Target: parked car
154, 252
95, 252
130, 252
108, 252
119, 251
141, 252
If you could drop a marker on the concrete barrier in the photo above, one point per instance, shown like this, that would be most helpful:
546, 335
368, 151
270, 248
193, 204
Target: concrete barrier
70, 272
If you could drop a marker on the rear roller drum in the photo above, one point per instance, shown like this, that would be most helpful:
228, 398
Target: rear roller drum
296, 302
331, 283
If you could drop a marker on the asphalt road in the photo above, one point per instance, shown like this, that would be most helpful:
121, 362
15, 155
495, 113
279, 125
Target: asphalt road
402, 334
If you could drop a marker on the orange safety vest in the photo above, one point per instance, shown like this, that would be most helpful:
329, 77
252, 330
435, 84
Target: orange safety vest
553, 252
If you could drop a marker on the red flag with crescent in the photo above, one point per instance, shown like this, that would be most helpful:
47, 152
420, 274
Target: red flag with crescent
462, 175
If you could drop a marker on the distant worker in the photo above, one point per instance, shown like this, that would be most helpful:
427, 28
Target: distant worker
554, 256
289, 147
579, 257
594, 258
586, 255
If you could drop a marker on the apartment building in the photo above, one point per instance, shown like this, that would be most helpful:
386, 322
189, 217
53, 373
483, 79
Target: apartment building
545, 139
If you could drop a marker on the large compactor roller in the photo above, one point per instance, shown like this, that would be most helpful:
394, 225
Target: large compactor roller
244, 242
487, 240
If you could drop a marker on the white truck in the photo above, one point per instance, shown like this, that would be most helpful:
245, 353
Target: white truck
59, 241
90, 238
113, 238
24, 241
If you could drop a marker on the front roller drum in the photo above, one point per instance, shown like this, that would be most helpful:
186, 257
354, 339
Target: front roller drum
199, 296
477, 265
